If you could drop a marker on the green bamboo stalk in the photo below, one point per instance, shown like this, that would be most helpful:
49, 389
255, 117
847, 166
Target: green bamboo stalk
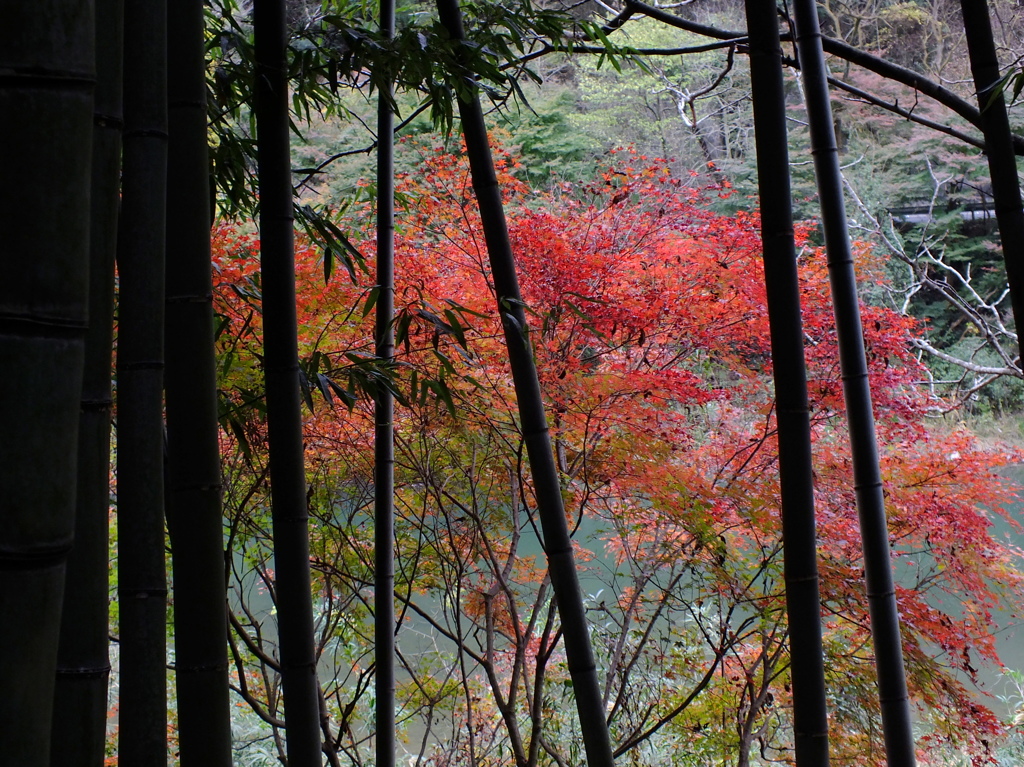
557, 541
885, 628
384, 413
803, 602
142, 589
281, 369
46, 105
83, 664
999, 149
193, 512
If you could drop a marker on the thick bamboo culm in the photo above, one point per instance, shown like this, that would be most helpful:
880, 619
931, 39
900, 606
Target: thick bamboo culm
281, 370
142, 587
194, 518
83, 663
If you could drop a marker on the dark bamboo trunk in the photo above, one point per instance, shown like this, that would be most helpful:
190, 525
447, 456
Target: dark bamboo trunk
46, 112
557, 541
885, 627
384, 412
803, 602
142, 588
193, 509
1002, 162
83, 664
281, 369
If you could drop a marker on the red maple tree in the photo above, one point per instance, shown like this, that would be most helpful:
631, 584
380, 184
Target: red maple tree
647, 317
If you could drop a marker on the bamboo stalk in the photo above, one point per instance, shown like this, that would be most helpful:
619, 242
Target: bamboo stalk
46, 110
83, 664
803, 602
999, 149
557, 541
142, 588
281, 371
193, 510
881, 593
384, 413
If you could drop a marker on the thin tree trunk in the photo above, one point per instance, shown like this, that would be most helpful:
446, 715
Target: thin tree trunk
1002, 162
46, 106
803, 602
83, 663
384, 413
281, 368
142, 588
193, 512
557, 542
881, 594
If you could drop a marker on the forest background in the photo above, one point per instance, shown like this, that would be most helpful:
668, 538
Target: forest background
627, 171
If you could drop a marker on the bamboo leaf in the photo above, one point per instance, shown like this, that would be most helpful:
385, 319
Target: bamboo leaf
371, 299
304, 388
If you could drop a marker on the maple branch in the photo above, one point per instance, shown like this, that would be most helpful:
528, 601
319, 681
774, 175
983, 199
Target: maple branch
432, 701
895, 108
637, 653
635, 738
550, 751
844, 51
243, 690
548, 641
757, 694
256, 648
320, 167
443, 631
325, 727
347, 710
501, 572
674, 51
505, 705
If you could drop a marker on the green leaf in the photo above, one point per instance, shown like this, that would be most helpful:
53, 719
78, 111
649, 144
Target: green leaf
343, 394
440, 389
305, 390
238, 429
464, 310
402, 323
371, 299
332, 240
323, 383
456, 327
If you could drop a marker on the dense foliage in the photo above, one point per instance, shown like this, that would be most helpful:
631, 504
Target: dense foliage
643, 305
918, 188
652, 344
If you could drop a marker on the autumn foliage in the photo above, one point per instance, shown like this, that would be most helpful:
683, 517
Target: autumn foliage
647, 316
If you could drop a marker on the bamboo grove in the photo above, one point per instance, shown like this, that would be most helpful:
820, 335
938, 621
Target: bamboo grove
468, 471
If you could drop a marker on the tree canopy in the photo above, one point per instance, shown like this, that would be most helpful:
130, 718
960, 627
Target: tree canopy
537, 402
